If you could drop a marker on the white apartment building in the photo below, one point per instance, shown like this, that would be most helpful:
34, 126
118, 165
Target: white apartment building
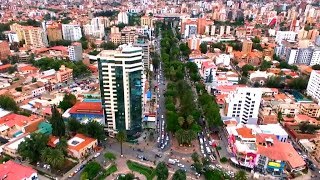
75, 51
315, 59
122, 83
313, 88
95, 27
223, 59
145, 45
71, 32
243, 104
285, 35
123, 18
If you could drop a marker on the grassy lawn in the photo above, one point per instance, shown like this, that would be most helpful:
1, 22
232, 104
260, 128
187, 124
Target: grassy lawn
108, 172
149, 172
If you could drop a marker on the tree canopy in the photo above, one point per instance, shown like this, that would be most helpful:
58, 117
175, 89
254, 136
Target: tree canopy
31, 148
57, 122
179, 175
68, 101
7, 103
204, 47
92, 169
162, 171
79, 68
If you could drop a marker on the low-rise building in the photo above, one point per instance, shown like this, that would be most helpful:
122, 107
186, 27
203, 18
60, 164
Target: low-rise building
11, 170
289, 109
64, 74
267, 116
310, 109
85, 111
80, 146
263, 148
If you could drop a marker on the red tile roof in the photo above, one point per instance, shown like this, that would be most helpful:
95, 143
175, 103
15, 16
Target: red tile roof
245, 132
28, 68
84, 144
14, 119
87, 108
279, 151
6, 66
13, 171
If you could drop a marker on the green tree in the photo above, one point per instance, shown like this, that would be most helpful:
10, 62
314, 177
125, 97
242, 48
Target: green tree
74, 125
179, 175
110, 156
57, 122
316, 67
241, 175
299, 83
92, 169
68, 101
121, 137
215, 175
246, 68
32, 146
274, 82
204, 47
195, 157
265, 65
162, 171
63, 145
255, 39
308, 128
95, 130
54, 157
8, 103
109, 45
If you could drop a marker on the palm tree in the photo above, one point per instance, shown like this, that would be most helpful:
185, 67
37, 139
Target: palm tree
56, 158
180, 136
45, 154
190, 120
63, 145
121, 137
241, 175
181, 121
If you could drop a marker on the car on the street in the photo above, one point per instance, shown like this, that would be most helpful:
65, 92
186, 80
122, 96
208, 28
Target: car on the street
158, 155
180, 165
96, 155
71, 175
139, 150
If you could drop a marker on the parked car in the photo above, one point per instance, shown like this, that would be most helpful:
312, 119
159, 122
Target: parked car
96, 155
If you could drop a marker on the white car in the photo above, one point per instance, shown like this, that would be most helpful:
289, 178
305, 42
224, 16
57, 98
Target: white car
96, 155
180, 165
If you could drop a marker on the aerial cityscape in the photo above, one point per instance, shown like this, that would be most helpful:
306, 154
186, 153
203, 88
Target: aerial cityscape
157, 90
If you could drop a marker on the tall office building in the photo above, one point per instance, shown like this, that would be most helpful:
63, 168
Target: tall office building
144, 44
243, 104
122, 83
33, 36
75, 51
54, 32
71, 32
313, 88
247, 46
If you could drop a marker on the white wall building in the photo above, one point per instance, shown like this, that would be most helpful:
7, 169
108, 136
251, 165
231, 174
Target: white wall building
122, 83
71, 32
243, 104
223, 59
95, 28
285, 35
313, 88
75, 51
123, 18
315, 59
